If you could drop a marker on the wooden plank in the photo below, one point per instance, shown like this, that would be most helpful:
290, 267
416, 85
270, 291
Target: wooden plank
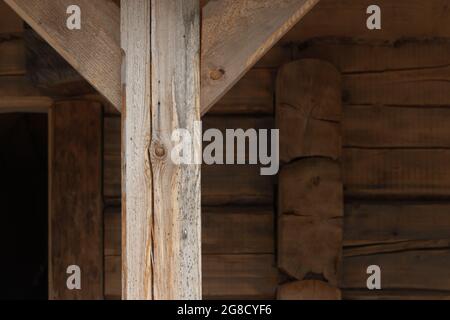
253, 94
25, 104
102, 57
309, 110
410, 269
224, 277
308, 290
235, 35
161, 199
409, 294
12, 57
76, 219
243, 230
244, 276
371, 223
415, 87
352, 56
14, 86
400, 19
221, 184
276, 56
396, 127
236, 185
397, 173
225, 230
96, 58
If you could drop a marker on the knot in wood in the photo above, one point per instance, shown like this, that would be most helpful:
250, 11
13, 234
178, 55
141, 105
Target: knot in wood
216, 74
159, 150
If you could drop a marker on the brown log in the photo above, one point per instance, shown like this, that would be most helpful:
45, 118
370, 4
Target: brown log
308, 290
397, 173
312, 188
372, 223
309, 110
307, 245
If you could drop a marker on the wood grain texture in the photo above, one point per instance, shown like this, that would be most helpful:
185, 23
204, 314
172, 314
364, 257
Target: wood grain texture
237, 276
254, 93
415, 87
379, 222
309, 110
396, 173
308, 290
426, 269
375, 126
236, 34
304, 184
310, 246
401, 19
137, 186
97, 58
221, 184
225, 230
76, 219
353, 56
162, 238
225, 27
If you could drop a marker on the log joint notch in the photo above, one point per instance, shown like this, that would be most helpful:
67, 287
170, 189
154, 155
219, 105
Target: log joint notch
308, 113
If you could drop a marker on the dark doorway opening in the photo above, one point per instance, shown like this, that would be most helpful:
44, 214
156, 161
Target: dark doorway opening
24, 206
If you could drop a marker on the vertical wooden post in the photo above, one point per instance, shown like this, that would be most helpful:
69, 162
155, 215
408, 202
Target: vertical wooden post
75, 203
310, 184
161, 200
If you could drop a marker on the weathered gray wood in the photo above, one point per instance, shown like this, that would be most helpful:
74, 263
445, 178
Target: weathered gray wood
236, 34
161, 240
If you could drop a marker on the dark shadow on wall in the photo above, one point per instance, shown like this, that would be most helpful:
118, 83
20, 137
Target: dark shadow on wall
24, 203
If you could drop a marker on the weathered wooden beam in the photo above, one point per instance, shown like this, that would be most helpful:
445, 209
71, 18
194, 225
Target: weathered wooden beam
236, 34
36, 104
94, 51
161, 200
75, 215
